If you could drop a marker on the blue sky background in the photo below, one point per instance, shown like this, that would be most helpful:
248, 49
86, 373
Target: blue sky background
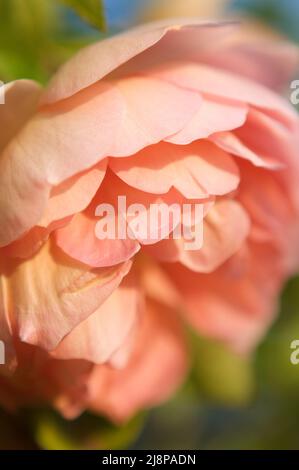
283, 14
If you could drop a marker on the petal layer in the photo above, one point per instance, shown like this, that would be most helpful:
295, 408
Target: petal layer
49, 294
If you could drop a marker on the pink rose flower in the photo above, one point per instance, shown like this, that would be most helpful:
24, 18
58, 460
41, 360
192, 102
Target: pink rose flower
167, 113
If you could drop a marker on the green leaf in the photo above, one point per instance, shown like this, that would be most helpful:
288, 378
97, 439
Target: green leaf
91, 11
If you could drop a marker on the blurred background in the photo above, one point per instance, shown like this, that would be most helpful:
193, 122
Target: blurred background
228, 402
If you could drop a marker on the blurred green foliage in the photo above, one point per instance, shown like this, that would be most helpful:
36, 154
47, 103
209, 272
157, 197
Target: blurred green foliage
221, 375
36, 37
52, 432
43, 428
26, 38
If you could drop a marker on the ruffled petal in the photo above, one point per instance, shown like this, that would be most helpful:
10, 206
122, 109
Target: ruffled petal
214, 115
220, 83
224, 231
157, 367
98, 337
49, 294
197, 170
105, 236
230, 143
107, 119
21, 99
236, 303
160, 40
73, 195
272, 62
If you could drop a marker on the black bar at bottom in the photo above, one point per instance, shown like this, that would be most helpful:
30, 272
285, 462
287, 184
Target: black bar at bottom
149, 458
